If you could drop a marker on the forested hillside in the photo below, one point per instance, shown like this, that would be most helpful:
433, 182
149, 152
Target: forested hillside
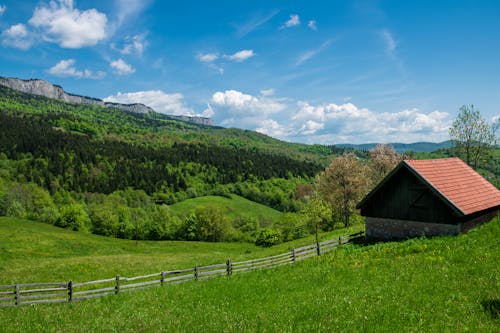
111, 172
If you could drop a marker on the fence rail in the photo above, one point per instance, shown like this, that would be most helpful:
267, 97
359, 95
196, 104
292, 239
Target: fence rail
59, 292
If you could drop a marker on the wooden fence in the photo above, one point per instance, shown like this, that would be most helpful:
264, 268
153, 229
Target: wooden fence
59, 292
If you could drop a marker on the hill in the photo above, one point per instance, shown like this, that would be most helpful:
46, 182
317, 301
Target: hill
234, 207
418, 147
425, 285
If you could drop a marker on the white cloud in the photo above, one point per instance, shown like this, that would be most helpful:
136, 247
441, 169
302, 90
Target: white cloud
3, 8
333, 123
312, 53
66, 68
121, 67
293, 21
158, 100
134, 45
17, 36
240, 56
207, 57
273, 128
67, 26
267, 92
234, 108
312, 25
389, 41
328, 123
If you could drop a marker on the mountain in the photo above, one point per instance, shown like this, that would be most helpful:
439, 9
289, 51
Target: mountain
49, 90
419, 147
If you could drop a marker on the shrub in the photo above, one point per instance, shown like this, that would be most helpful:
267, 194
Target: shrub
268, 237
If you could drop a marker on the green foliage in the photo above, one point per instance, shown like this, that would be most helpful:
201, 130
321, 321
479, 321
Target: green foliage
473, 136
73, 217
268, 237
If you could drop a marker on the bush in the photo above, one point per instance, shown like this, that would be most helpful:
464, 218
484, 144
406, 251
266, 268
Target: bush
268, 237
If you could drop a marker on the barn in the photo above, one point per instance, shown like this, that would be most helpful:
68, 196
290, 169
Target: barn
428, 198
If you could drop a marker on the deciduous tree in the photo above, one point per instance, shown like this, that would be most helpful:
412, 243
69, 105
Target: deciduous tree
473, 135
343, 184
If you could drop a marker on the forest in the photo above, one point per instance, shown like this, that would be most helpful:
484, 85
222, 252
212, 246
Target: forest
114, 173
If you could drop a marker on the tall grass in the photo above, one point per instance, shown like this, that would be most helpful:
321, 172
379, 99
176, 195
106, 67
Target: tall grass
421, 285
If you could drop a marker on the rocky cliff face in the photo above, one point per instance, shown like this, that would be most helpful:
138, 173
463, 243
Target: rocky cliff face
49, 90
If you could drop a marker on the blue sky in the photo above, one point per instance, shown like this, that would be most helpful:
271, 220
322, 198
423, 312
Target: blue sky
303, 71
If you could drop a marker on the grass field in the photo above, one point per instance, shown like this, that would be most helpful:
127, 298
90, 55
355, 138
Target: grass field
37, 252
444, 284
236, 207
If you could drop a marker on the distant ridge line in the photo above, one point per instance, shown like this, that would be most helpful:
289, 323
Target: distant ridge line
53, 91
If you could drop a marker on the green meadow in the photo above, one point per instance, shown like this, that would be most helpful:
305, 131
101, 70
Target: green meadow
233, 208
443, 284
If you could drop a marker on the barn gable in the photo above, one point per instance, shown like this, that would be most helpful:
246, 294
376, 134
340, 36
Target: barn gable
428, 197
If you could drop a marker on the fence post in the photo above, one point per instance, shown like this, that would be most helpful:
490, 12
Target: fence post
318, 249
18, 295
340, 240
196, 273
162, 280
117, 287
70, 291
229, 267
293, 255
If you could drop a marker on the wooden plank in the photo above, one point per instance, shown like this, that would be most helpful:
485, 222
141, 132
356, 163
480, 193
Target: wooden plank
211, 266
262, 259
218, 271
140, 277
92, 296
44, 296
180, 277
141, 284
11, 286
307, 247
46, 301
3, 299
93, 291
49, 284
12, 292
179, 271
41, 290
75, 285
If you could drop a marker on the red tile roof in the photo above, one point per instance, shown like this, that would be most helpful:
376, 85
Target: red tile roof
458, 183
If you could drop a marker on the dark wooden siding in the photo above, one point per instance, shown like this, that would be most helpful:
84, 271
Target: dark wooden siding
406, 197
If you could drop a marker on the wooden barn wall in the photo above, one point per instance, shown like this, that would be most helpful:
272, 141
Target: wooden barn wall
405, 197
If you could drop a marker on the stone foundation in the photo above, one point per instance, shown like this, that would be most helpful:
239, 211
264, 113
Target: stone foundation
386, 229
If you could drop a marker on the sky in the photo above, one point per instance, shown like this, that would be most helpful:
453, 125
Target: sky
316, 72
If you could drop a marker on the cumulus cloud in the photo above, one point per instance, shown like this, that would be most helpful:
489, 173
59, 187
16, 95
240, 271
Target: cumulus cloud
293, 21
120, 67
67, 26
66, 68
312, 25
207, 57
235, 108
17, 36
347, 123
240, 56
158, 100
3, 8
328, 123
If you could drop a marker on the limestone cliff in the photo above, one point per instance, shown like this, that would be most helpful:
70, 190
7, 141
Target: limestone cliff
49, 90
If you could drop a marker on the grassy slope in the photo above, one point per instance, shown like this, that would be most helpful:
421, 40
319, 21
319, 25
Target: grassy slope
232, 208
422, 285
37, 252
